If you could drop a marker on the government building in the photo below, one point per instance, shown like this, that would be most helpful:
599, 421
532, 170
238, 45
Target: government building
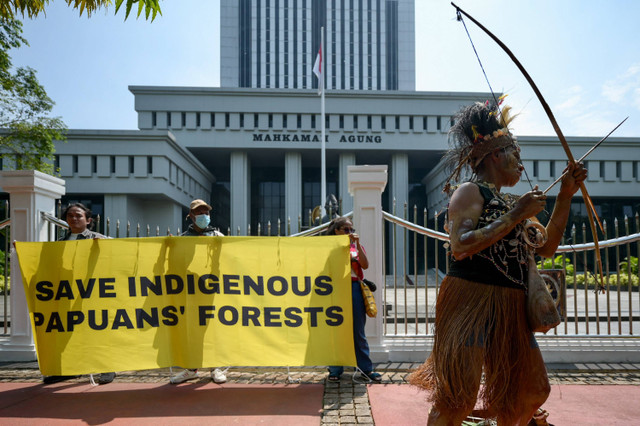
252, 146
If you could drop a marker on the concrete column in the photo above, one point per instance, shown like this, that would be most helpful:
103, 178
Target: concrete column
366, 184
345, 160
116, 210
400, 192
293, 189
240, 192
31, 192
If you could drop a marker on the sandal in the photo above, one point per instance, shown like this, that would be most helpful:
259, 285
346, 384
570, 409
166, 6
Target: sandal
374, 377
333, 379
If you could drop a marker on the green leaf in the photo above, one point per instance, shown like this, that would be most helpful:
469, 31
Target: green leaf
118, 4
140, 7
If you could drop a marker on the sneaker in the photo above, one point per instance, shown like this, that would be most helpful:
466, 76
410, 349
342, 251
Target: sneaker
218, 376
374, 377
184, 376
106, 378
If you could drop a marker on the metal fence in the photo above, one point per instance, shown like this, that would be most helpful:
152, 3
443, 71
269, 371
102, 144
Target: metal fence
5, 235
57, 226
416, 260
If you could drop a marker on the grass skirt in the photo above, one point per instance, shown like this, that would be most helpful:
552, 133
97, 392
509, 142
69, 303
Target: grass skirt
479, 328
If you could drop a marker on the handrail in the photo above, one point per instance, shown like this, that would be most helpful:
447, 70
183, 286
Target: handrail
417, 228
561, 249
5, 223
603, 244
316, 230
54, 220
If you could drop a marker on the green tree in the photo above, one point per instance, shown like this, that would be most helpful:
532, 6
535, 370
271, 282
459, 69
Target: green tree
26, 131
32, 8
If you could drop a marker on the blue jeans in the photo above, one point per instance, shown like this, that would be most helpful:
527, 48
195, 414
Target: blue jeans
359, 338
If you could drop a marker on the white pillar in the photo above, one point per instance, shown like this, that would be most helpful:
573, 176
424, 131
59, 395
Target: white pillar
293, 189
116, 209
400, 192
366, 184
30, 192
345, 160
240, 192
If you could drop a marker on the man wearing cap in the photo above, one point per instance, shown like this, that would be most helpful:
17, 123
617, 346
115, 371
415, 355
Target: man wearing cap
199, 216
199, 226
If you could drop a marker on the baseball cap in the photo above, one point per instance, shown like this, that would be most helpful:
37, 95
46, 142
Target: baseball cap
197, 203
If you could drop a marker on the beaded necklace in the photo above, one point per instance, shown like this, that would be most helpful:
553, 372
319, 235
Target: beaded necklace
510, 254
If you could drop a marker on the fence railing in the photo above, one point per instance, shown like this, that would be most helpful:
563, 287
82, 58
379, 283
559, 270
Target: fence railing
55, 225
5, 228
416, 260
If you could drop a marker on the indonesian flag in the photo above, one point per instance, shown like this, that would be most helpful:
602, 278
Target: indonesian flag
317, 70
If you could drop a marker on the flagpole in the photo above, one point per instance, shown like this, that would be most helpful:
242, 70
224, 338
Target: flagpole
323, 166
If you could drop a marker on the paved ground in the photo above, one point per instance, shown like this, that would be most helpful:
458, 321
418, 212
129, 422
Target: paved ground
345, 402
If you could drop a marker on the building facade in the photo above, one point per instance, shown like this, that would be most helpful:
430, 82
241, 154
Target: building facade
369, 44
252, 147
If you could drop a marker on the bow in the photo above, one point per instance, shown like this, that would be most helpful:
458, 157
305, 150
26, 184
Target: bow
585, 195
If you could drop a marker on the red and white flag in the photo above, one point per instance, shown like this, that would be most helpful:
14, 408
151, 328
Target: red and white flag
317, 70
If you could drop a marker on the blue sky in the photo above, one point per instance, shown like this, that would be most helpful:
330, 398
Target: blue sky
583, 55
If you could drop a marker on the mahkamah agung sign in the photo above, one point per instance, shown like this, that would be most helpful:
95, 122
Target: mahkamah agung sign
141, 303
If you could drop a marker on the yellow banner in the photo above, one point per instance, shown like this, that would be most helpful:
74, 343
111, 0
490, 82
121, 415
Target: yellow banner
141, 303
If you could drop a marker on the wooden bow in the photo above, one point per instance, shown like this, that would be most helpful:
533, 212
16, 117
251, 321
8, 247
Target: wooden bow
591, 212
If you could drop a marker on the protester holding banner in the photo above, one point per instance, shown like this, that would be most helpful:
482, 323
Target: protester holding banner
359, 262
79, 219
199, 215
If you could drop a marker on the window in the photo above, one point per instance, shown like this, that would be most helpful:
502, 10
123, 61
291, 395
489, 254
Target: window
299, 119
131, 164
410, 122
313, 121
383, 122
241, 120
75, 163
268, 198
602, 169
213, 119
154, 119
255, 120
168, 119
198, 119
270, 121
183, 119
397, 122
368, 122
150, 165
113, 164
618, 169
341, 121
226, 120
535, 168
94, 164
355, 121
284, 121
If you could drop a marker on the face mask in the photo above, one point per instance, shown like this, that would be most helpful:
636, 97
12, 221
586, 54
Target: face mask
202, 221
